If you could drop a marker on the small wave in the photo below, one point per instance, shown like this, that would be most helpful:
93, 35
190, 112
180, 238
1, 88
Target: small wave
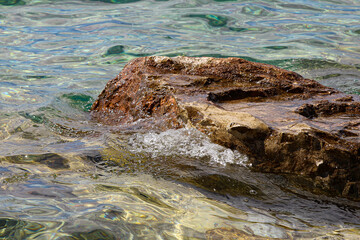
188, 143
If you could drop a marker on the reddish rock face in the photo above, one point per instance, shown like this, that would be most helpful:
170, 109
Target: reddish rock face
284, 122
134, 95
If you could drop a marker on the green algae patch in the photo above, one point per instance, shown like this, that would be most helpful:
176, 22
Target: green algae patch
36, 118
213, 20
117, 1
12, 2
36, 77
242, 29
276, 47
79, 101
238, 29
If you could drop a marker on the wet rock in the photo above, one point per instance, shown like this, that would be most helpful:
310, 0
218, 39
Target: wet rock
284, 122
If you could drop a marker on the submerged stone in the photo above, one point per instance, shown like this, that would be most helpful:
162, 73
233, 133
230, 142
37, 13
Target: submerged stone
52, 160
114, 50
282, 121
224, 185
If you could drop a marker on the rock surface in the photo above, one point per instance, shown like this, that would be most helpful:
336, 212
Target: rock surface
284, 122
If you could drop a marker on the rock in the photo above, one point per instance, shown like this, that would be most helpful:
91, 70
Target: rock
284, 122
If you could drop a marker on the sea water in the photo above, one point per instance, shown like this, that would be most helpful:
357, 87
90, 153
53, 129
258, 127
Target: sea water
65, 176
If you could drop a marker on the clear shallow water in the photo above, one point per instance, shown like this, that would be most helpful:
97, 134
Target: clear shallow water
64, 176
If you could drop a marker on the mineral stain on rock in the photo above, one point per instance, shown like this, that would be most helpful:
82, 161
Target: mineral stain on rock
284, 122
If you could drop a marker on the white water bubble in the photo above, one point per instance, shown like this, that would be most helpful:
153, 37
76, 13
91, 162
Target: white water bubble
188, 143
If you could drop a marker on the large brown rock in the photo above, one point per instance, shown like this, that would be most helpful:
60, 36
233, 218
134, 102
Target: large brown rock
284, 122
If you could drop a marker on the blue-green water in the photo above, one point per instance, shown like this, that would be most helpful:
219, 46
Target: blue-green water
64, 176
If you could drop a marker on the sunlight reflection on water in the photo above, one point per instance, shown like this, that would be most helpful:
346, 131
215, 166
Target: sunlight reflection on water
64, 176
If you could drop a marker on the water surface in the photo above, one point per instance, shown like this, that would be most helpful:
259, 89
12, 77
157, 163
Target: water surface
64, 176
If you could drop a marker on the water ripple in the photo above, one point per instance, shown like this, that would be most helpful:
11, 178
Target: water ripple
56, 56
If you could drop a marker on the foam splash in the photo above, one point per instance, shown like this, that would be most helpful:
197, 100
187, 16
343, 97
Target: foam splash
187, 143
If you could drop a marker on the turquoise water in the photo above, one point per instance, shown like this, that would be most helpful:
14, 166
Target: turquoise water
64, 176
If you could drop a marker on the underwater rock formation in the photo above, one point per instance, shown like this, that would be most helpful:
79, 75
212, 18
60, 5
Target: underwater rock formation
282, 121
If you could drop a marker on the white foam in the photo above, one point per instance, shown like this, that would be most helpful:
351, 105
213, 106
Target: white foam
188, 143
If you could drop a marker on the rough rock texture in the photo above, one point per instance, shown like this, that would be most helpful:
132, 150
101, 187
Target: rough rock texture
284, 122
